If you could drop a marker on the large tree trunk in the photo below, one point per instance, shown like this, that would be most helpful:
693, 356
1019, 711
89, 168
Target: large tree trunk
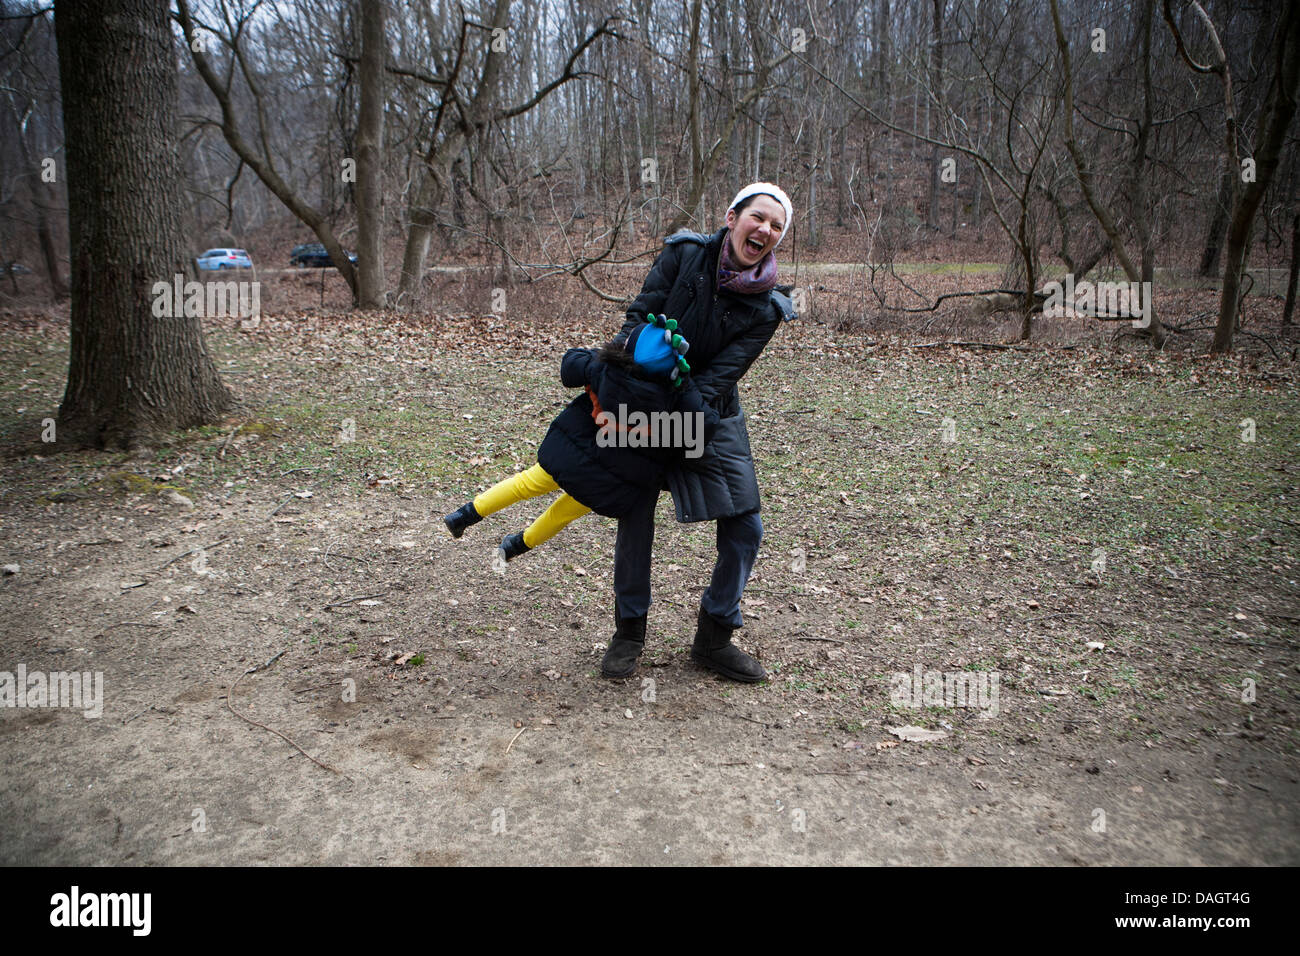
1279, 109
131, 376
370, 158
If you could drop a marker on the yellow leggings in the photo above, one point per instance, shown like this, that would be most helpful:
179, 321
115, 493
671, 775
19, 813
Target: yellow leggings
529, 484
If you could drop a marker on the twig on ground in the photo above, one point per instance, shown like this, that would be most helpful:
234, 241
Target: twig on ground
354, 600
723, 713
967, 345
224, 444
514, 738
1260, 338
202, 547
992, 345
833, 640
230, 705
836, 773
283, 502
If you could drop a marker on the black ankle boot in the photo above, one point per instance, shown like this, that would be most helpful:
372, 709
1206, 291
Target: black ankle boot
512, 545
625, 647
462, 518
713, 649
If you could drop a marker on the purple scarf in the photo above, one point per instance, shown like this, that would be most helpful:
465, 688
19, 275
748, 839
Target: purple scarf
732, 276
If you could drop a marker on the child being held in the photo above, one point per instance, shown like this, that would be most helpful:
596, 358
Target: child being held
639, 414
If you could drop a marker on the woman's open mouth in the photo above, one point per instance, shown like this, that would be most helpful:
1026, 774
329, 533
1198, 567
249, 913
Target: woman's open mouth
754, 246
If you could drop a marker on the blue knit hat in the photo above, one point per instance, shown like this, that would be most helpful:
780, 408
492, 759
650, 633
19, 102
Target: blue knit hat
657, 348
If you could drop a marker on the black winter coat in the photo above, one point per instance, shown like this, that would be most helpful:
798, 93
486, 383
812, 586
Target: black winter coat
727, 332
613, 480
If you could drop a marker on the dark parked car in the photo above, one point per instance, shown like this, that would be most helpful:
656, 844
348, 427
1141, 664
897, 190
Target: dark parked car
313, 256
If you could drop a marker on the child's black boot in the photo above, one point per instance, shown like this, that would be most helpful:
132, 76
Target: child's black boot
512, 545
462, 518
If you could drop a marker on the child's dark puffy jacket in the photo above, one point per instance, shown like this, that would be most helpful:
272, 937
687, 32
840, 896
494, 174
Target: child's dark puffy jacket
612, 480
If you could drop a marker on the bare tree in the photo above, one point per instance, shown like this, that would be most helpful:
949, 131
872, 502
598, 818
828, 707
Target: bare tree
30, 58
1279, 109
260, 160
936, 90
131, 374
1087, 182
461, 115
370, 158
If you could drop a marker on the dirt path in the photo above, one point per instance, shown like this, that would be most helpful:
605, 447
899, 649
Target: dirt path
887, 548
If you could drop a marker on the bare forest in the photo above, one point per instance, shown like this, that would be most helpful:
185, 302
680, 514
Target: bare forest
284, 283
